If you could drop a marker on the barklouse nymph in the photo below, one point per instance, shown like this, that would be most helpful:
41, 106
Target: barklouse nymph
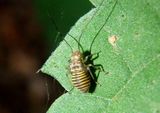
80, 71
80, 63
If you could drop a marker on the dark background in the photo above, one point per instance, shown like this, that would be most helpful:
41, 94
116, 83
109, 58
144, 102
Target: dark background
27, 37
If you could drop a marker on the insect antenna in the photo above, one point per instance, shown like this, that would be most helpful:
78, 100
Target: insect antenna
53, 22
57, 29
69, 45
103, 25
79, 44
59, 34
83, 30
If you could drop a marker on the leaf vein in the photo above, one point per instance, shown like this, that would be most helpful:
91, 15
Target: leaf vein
134, 75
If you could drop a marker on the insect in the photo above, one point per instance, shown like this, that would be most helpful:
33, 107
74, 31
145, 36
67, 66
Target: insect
81, 74
80, 64
80, 70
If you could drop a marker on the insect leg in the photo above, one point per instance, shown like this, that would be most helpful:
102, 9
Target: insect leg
89, 56
70, 82
100, 68
69, 77
88, 68
70, 90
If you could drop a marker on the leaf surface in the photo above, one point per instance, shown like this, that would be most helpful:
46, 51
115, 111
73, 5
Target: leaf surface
127, 34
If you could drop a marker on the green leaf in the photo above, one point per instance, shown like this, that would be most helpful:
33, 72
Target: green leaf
127, 34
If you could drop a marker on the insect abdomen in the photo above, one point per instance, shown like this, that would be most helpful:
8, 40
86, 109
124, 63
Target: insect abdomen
81, 80
79, 72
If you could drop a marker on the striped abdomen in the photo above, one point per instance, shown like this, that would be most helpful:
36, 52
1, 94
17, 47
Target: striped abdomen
80, 76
